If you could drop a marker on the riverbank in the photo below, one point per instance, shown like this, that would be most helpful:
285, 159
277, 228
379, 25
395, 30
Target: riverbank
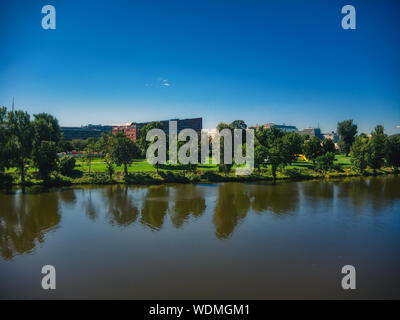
185, 177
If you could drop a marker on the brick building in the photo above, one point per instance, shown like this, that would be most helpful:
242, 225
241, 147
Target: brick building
132, 131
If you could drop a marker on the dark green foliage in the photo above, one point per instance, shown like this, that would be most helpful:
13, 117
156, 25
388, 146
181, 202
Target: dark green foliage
358, 153
394, 152
328, 146
45, 158
378, 148
293, 142
124, 150
66, 165
312, 149
347, 131
21, 145
325, 162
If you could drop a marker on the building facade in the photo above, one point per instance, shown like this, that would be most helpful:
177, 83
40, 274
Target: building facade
281, 127
132, 131
84, 132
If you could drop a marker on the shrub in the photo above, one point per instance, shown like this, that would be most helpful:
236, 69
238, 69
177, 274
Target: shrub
169, 176
66, 165
193, 177
325, 162
142, 178
5, 179
212, 176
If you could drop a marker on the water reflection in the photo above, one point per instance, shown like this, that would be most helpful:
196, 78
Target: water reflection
233, 203
279, 199
120, 204
155, 207
188, 200
26, 218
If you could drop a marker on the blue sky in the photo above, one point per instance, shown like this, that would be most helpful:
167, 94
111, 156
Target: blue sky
265, 61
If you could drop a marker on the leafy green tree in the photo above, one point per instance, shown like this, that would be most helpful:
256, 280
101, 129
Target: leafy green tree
47, 135
22, 133
325, 162
328, 146
66, 165
124, 151
90, 152
277, 150
293, 142
358, 153
394, 152
45, 158
143, 144
347, 131
312, 149
109, 165
224, 167
260, 156
377, 148
4, 141
46, 128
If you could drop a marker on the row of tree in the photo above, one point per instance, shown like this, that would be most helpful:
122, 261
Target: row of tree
26, 141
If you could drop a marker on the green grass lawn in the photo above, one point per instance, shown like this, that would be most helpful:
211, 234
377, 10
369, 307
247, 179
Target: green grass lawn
141, 165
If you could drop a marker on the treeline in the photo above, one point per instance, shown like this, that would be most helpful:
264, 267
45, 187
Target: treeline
279, 149
34, 142
27, 142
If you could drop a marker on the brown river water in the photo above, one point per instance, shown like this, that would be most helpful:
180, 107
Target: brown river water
207, 241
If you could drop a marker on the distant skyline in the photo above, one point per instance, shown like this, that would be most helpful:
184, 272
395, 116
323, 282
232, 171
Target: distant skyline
289, 61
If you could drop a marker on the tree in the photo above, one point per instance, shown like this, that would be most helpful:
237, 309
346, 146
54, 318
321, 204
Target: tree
394, 152
66, 165
143, 144
347, 132
293, 142
325, 162
260, 156
109, 165
47, 136
89, 152
22, 132
4, 141
47, 128
358, 153
45, 158
277, 150
313, 149
224, 167
328, 146
377, 148
124, 151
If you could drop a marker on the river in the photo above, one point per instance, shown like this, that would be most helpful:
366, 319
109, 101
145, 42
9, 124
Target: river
207, 241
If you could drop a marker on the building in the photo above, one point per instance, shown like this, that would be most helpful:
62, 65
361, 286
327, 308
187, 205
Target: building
282, 127
132, 131
333, 136
312, 132
84, 132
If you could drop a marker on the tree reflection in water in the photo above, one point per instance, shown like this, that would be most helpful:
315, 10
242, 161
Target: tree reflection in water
188, 200
155, 207
121, 207
24, 220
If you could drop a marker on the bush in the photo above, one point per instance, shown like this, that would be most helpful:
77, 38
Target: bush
212, 176
294, 173
94, 178
193, 177
66, 165
325, 162
169, 176
142, 178
5, 179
